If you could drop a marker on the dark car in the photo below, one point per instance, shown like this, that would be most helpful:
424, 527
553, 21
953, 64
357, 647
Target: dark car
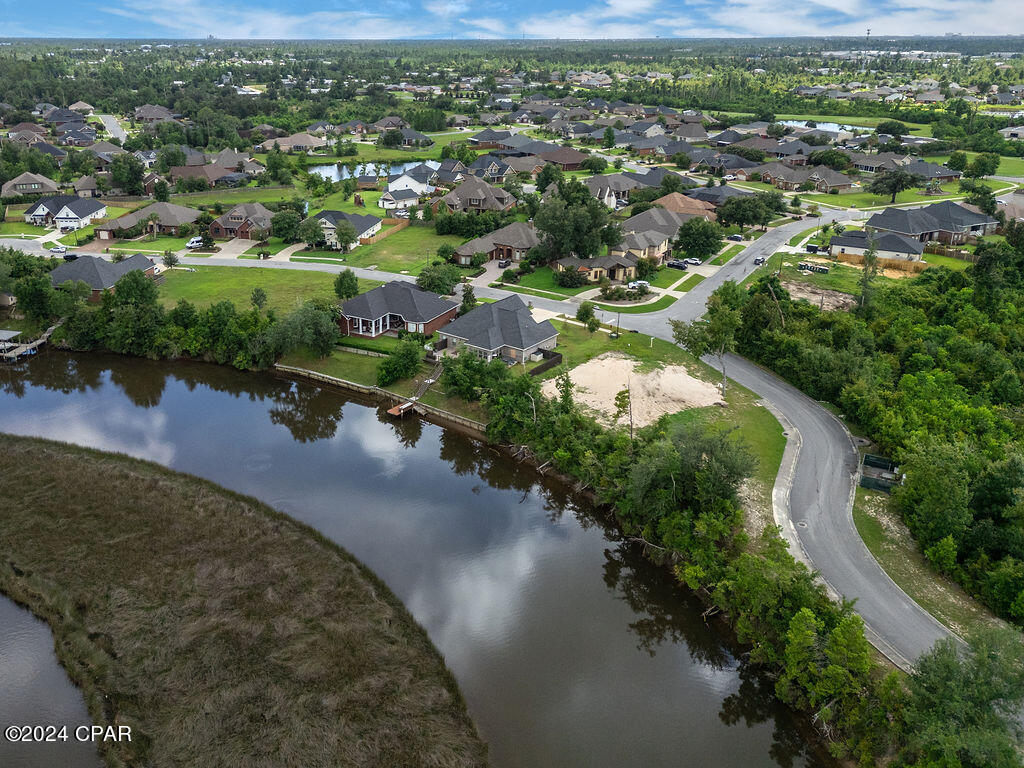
675, 264
504, 263
735, 238
70, 256
759, 260
812, 248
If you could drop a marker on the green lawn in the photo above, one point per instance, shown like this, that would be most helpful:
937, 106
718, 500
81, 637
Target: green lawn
1008, 166
666, 277
867, 200
728, 254
795, 240
640, 309
691, 282
286, 289
406, 251
21, 228
232, 197
335, 202
157, 244
274, 245
945, 261
543, 279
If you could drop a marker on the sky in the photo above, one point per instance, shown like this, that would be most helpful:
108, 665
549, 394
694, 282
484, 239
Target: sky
470, 19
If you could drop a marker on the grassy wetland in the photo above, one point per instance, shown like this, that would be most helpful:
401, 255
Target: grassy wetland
215, 626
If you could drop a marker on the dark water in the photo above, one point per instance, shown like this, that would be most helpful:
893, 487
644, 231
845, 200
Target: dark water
570, 648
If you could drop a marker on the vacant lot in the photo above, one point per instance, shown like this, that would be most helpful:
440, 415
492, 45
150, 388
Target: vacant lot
286, 288
215, 626
406, 251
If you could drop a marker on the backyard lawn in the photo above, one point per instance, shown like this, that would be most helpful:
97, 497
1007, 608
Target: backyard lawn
335, 202
407, 251
286, 289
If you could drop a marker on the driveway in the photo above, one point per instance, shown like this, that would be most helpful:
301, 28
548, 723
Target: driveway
113, 127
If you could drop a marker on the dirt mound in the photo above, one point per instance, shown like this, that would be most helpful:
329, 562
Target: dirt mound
653, 393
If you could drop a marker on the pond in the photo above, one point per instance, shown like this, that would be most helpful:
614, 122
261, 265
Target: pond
570, 648
825, 126
338, 172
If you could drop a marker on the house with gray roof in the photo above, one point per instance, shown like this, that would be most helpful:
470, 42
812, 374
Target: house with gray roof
504, 329
65, 212
477, 195
365, 225
100, 275
887, 245
946, 222
396, 306
28, 184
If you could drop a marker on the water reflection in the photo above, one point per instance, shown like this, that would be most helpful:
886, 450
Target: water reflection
570, 647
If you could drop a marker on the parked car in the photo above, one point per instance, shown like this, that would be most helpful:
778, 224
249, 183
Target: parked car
730, 177
694, 261
735, 238
812, 248
675, 264
759, 260
60, 250
504, 263
638, 284
70, 256
195, 242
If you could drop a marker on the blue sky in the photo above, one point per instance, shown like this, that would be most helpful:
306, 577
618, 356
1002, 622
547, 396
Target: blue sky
507, 18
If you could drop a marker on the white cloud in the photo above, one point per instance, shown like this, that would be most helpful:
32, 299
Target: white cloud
445, 8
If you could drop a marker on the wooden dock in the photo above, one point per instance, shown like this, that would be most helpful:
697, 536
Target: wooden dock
30, 348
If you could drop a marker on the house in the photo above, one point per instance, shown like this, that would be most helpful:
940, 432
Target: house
154, 113
297, 142
618, 267
932, 171
690, 132
407, 181
59, 155
888, 245
399, 199
241, 221
82, 108
65, 212
100, 275
389, 124
946, 222
210, 173
28, 184
365, 225
679, 203
716, 195
819, 177
167, 219
86, 187
666, 223
612, 189
459, 121
488, 138
491, 169
322, 128
883, 161
531, 165
504, 329
396, 306
1014, 132
566, 158
412, 138
477, 195
512, 241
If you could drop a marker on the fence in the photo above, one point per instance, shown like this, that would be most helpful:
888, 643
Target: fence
954, 253
899, 264
551, 359
394, 225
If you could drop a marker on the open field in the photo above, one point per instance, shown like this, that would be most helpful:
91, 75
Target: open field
165, 593
21, 228
867, 200
230, 197
1008, 166
286, 289
406, 251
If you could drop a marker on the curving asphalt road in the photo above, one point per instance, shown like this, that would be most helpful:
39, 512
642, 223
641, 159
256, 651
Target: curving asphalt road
813, 495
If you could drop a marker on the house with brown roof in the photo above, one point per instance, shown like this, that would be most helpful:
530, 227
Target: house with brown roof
28, 184
511, 242
619, 267
167, 219
566, 158
297, 142
477, 195
680, 203
210, 173
241, 221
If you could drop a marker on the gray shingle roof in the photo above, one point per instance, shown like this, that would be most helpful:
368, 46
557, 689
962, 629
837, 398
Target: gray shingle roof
939, 217
96, 272
398, 298
167, 214
505, 323
883, 241
80, 206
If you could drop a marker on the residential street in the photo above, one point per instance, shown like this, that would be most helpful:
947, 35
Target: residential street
113, 127
817, 511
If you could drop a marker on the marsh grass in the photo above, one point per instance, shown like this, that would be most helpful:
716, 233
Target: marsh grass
223, 632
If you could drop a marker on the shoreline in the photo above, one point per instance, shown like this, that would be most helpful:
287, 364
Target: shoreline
210, 577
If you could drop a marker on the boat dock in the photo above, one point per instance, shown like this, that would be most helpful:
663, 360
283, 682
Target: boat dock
10, 350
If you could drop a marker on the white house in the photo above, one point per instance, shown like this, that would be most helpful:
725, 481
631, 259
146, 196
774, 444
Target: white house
65, 212
408, 182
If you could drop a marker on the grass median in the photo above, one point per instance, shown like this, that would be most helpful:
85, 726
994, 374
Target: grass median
214, 625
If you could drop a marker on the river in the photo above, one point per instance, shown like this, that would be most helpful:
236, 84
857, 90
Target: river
570, 648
